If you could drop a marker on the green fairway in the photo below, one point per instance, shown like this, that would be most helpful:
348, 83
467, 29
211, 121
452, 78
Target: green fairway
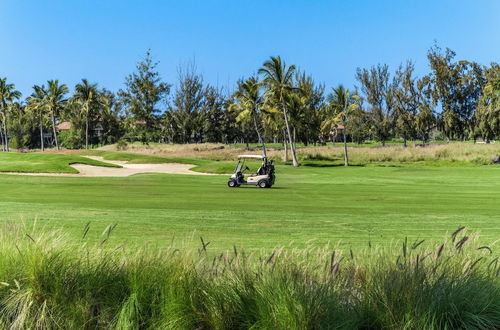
309, 205
44, 163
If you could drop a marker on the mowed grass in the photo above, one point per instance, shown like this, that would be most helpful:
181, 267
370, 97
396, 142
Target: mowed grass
315, 204
44, 163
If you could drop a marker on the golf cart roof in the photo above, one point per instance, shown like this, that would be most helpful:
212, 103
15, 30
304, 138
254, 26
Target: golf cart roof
251, 156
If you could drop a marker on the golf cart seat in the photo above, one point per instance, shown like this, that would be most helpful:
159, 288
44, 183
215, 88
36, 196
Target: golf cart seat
259, 172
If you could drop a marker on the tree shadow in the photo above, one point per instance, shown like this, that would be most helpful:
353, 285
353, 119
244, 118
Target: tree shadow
329, 165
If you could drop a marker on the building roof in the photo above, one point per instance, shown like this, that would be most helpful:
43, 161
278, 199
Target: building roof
64, 126
335, 130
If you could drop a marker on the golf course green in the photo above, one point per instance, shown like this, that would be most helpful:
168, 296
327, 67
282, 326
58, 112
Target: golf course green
315, 204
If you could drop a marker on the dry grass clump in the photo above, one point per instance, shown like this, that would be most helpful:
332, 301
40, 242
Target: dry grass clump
48, 282
452, 152
210, 151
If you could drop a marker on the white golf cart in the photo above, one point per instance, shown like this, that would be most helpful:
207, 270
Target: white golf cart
264, 177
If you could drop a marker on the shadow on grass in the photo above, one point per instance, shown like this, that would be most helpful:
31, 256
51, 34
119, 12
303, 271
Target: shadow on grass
328, 165
255, 187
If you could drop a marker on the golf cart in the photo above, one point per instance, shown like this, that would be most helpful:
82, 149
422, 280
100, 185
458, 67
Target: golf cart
264, 177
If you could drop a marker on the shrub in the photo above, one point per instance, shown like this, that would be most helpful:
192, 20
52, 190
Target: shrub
71, 139
121, 145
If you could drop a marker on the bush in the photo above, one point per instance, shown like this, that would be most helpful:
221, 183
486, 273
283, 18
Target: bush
16, 143
72, 139
121, 145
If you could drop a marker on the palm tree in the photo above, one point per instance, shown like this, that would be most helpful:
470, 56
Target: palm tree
249, 102
278, 78
8, 94
296, 105
37, 104
91, 100
308, 119
342, 104
55, 103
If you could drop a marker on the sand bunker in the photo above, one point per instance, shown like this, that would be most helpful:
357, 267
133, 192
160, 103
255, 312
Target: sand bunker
125, 170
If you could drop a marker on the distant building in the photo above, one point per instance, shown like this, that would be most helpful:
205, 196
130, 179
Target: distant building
336, 133
63, 126
98, 129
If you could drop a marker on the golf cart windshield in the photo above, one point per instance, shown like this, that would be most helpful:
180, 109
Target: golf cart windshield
239, 166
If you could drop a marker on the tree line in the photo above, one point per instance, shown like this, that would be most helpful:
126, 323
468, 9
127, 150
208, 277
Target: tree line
456, 100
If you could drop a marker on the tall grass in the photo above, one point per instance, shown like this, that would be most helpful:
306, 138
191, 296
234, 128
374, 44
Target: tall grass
457, 152
475, 154
48, 283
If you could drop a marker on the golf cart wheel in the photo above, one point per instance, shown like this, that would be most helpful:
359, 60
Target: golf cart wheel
232, 184
263, 184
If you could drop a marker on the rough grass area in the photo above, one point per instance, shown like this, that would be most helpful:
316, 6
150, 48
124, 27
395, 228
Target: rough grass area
44, 163
50, 283
434, 154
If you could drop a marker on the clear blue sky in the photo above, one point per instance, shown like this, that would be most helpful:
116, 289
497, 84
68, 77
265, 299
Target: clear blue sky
101, 40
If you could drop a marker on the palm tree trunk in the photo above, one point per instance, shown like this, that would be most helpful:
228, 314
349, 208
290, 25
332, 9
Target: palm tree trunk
264, 151
346, 157
41, 134
54, 129
5, 135
1, 137
292, 148
285, 156
294, 138
87, 132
